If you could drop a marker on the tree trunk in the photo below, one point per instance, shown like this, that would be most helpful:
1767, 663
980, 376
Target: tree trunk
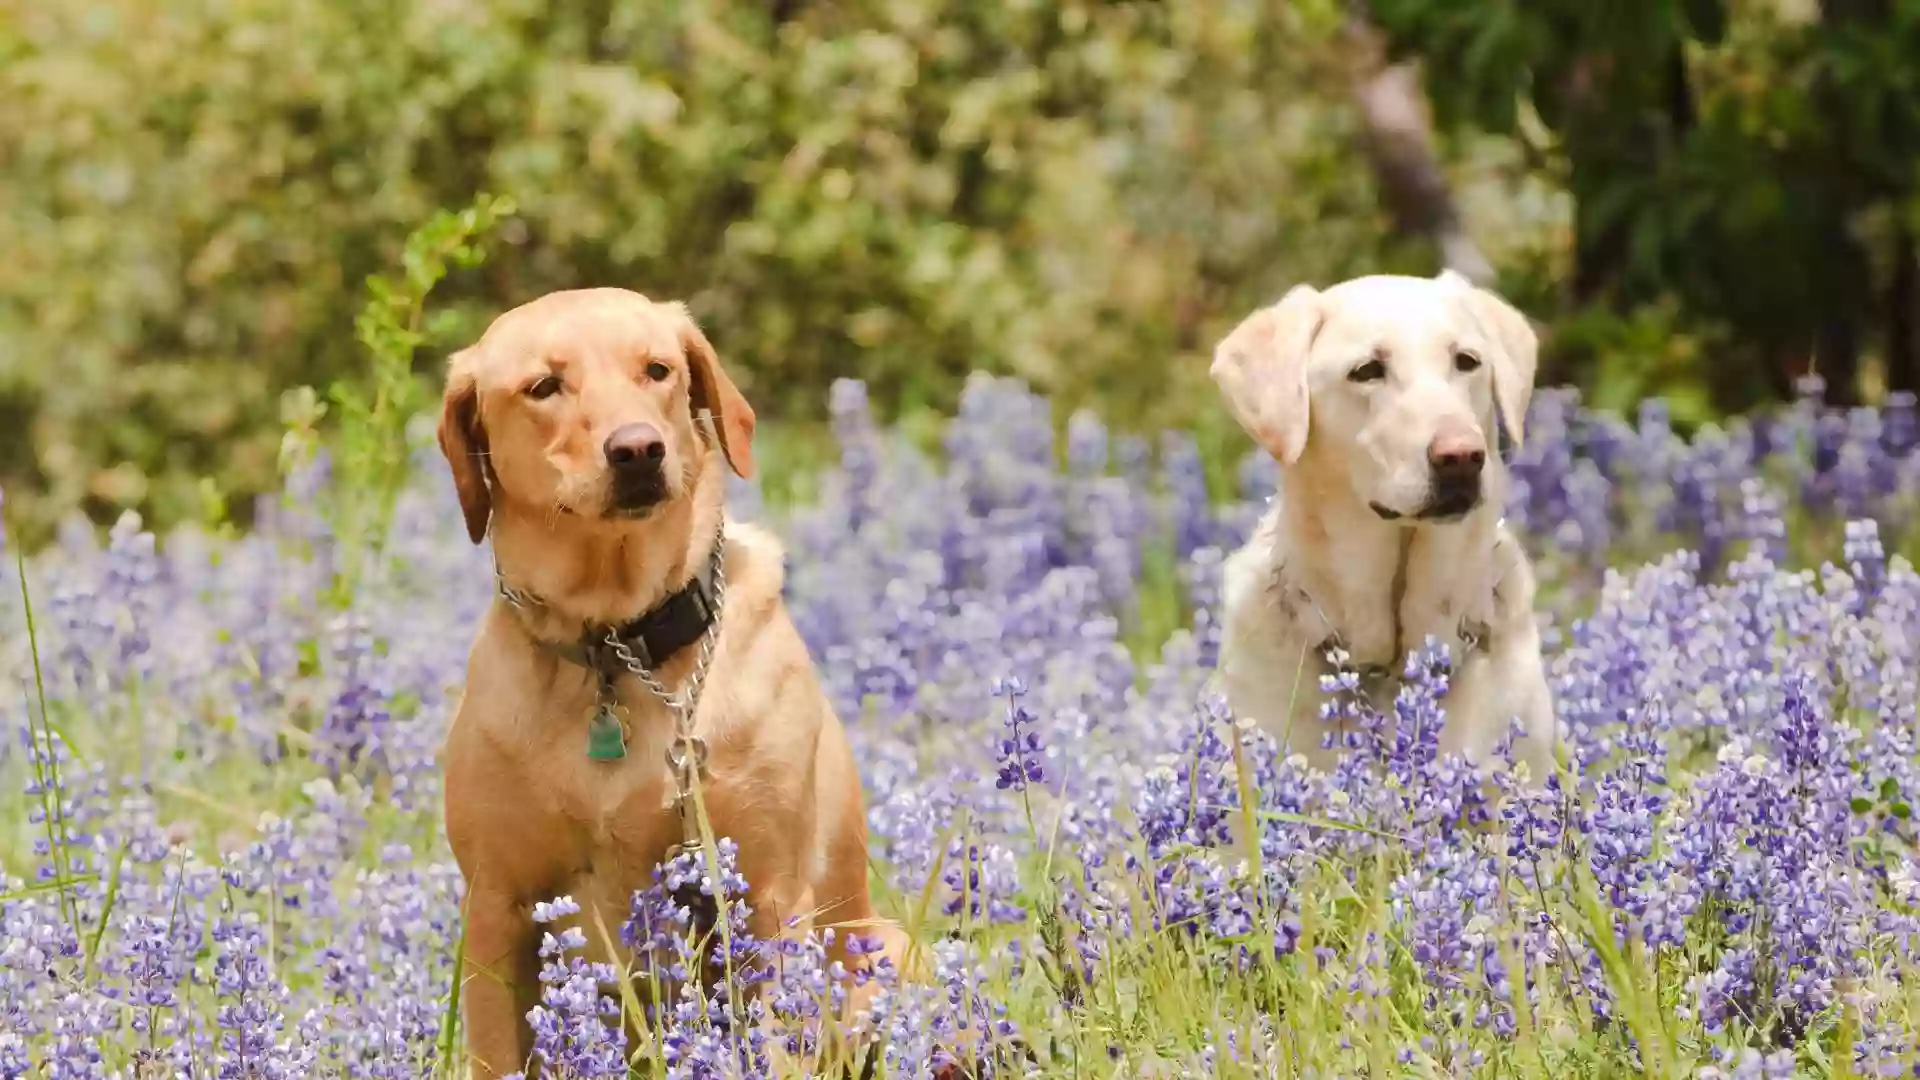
1836, 358
1849, 276
1397, 138
1903, 314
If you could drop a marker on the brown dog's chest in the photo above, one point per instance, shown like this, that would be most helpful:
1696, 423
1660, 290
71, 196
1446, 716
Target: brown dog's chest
613, 817
622, 824
619, 809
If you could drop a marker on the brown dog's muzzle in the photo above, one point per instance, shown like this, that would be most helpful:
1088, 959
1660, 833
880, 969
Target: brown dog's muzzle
636, 464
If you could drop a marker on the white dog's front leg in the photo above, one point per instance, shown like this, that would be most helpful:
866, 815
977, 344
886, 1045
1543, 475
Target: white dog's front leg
1539, 745
1507, 683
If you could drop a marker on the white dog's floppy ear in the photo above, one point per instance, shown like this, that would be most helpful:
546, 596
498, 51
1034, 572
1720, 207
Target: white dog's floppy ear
1261, 370
1513, 366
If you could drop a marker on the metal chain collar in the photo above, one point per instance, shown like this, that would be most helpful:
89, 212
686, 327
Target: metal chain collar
686, 756
511, 595
1334, 649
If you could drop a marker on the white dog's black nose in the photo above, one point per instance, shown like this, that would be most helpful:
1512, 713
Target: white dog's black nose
635, 446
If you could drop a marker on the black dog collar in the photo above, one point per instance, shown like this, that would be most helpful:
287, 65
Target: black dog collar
653, 638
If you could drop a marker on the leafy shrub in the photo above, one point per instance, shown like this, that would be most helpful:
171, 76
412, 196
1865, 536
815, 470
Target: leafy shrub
1080, 193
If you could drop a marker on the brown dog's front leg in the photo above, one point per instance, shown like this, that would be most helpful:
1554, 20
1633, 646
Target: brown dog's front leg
500, 984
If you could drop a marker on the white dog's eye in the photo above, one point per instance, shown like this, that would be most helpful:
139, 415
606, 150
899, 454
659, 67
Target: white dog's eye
1465, 362
658, 371
1372, 371
544, 388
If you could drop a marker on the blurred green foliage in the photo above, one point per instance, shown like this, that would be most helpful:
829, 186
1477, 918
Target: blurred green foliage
1696, 197
1083, 193
371, 459
1744, 174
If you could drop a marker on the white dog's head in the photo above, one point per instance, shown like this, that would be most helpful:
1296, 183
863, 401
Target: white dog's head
1388, 381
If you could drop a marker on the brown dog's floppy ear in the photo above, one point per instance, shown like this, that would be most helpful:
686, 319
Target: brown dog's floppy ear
1519, 350
714, 391
1261, 370
464, 442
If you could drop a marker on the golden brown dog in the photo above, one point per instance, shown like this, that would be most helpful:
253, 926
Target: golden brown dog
571, 429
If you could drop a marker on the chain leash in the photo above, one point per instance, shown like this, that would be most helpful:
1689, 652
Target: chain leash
686, 755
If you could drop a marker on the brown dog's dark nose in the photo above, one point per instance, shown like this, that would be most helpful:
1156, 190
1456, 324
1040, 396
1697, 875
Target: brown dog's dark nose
634, 446
1456, 455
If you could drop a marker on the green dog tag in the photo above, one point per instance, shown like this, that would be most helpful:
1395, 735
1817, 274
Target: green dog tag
605, 740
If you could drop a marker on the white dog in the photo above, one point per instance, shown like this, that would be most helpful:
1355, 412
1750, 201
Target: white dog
1377, 397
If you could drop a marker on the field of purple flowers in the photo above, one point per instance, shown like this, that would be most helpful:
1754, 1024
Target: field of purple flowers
222, 857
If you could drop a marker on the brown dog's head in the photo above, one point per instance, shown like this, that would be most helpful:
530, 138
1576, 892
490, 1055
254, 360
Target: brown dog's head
584, 403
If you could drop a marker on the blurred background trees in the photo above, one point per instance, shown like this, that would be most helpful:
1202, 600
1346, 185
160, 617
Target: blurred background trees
1749, 168
1696, 199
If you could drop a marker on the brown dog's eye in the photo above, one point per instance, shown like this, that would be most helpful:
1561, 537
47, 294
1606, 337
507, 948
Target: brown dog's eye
545, 388
1372, 371
1465, 362
658, 371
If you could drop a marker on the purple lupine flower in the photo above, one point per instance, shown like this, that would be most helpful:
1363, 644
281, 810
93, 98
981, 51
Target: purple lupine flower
860, 451
806, 989
1020, 750
80, 1021
1751, 1064
1189, 511
155, 970
251, 999
1189, 802
358, 718
1449, 903
15, 1062
1866, 560
1620, 826
720, 1035
1726, 991
983, 882
572, 1035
